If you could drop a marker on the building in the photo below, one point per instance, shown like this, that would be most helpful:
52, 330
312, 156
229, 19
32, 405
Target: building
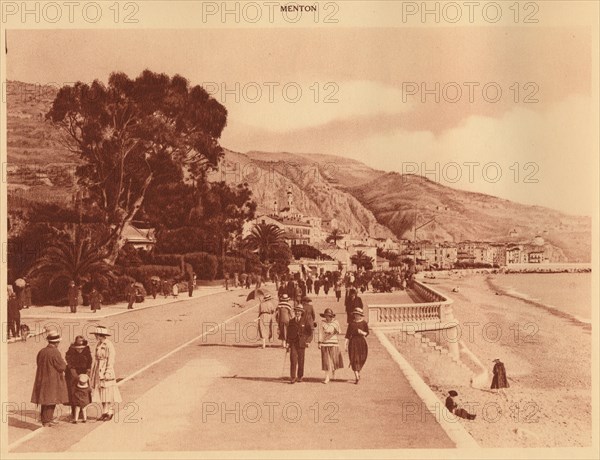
139, 238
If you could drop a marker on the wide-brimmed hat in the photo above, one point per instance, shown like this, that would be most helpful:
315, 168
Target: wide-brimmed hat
267, 297
284, 297
358, 311
306, 300
83, 381
80, 342
299, 307
453, 393
328, 312
53, 337
101, 330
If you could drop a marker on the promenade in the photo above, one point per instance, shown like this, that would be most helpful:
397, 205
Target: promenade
193, 378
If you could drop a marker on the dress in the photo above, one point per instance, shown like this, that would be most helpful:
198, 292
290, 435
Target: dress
265, 320
77, 363
499, 380
357, 346
103, 377
330, 350
82, 397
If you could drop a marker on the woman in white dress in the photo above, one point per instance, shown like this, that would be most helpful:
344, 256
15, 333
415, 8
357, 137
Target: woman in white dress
102, 376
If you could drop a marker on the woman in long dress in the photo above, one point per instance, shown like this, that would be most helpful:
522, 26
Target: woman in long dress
79, 361
499, 381
265, 319
355, 344
102, 377
331, 358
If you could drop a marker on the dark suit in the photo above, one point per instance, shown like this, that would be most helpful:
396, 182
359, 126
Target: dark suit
299, 335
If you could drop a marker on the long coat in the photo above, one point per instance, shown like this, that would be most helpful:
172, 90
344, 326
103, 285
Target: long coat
50, 387
499, 380
300, 332
77, 363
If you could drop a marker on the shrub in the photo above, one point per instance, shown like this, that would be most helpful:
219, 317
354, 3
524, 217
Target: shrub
143, 273
205, 265
175, 260
234, 265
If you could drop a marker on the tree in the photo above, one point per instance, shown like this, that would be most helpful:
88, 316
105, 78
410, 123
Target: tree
125, 132
334, 236
362, 260
265, 239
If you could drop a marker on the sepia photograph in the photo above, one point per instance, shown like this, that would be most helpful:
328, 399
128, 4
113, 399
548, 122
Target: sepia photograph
299, 230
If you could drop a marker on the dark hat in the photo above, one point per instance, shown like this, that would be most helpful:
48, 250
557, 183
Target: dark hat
453, 393
80, 342
328, 312
306, 300
53, 337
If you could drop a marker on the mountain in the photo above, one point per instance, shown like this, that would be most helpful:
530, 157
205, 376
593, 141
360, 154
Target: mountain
362, 199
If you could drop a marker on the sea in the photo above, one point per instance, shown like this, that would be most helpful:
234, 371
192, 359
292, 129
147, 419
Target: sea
570, 293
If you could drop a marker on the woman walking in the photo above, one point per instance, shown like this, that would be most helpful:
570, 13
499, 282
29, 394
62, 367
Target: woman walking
355, 344
283, 314
331, 357
102, 377
79, 362
265, 319
499, 381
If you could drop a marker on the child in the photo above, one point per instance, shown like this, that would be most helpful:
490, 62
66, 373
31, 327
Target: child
82, 397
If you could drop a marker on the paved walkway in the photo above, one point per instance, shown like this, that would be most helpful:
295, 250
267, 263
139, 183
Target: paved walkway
222, 392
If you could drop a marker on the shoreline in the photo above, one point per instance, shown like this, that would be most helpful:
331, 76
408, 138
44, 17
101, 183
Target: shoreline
547, 357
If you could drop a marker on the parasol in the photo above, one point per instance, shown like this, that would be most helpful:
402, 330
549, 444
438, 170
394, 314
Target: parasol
20, 282
257, 293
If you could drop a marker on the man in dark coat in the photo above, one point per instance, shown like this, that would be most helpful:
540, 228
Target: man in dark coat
299, 335
50, 387
14, 316
73, 296
130, 294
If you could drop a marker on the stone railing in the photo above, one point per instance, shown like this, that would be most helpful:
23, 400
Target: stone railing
434, 314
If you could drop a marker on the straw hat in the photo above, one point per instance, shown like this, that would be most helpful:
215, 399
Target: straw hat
53, 337
284, 297
358, 311
267, 297
83, 381
299, 307
101, 330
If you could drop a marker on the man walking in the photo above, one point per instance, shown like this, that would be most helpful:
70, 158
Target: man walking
130, 296
14, 316
50, 387
73, 296
299, 335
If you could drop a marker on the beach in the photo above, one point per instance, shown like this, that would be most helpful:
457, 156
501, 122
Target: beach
546, 351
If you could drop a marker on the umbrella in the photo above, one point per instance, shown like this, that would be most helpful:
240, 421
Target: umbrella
20, 282
256, 293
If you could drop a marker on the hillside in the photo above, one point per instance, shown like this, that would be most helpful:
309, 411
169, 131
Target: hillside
363, 200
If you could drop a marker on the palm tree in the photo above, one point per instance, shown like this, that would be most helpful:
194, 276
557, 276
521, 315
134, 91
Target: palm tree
362, 260
73, 257
334, 236
264, 238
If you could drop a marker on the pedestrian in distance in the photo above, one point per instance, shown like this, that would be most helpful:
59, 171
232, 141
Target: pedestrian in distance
50, 388
166, 288
95, 300
26, 300
79, 361
300, 332
226, 281
130, 295
356, 344
283, 315
455, 408
175, 290
337, 287
13, 316
331, 357
82, 398
265, 319
73, 296
102, 376
154, 288
499, 381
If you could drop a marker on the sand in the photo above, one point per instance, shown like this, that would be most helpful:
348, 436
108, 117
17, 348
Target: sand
547, 358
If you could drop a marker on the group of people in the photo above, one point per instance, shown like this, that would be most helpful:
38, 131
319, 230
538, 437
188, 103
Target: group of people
243, 280
77, 380
297, 323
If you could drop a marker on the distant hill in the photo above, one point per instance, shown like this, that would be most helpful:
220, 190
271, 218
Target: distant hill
362, 199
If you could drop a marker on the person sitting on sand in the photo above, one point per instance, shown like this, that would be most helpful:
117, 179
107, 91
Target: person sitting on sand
454, 408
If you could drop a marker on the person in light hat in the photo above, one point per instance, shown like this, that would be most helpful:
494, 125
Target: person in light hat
82, 397
283, 315
102, 376
299, 335
50, 387
355, 343
265, 319
331, 358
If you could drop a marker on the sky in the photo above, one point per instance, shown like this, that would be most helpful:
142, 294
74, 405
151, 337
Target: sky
514, 115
